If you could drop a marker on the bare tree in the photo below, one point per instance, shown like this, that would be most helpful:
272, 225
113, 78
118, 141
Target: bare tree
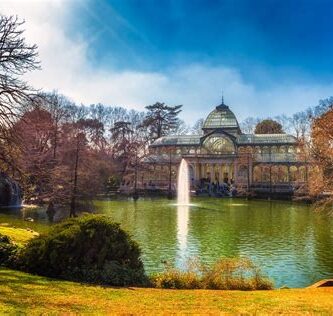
249, 124
58, 106
300, 122
197, 127
16, 58
285, 121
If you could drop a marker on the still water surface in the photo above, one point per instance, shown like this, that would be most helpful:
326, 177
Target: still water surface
291, 243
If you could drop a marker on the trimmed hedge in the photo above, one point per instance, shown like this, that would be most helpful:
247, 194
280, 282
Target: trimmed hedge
89, 249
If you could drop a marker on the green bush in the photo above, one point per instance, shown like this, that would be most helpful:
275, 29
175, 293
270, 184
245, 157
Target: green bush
224, 274
90, 249
8, 250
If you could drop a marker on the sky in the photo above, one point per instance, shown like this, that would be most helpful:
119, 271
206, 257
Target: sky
269, 57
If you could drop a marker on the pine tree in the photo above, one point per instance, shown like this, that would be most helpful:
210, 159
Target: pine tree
161, 119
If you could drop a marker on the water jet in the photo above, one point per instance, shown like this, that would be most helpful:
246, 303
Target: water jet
183, 185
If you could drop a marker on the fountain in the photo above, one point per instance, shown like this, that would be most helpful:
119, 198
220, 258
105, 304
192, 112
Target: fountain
183, 205
183, 187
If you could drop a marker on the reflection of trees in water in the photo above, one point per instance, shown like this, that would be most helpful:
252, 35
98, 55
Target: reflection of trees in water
152, 223
212, 231
323, 240
287, 240
290, 242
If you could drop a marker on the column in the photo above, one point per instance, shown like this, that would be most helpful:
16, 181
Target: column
288, 167
211, 168
197, 172
235, 171
221, 173
220, 166
229, 171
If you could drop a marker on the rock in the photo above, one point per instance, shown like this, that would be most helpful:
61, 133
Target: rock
10, 192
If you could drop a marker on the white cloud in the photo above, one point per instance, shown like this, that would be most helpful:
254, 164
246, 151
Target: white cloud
66, 67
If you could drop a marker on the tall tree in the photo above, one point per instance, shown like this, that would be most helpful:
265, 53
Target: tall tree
34, 135
300, 122
79, 146
197, 127
122, 133
249, 124
161, 119
322, 151
16, 58
268, 126
58, 107
285, 121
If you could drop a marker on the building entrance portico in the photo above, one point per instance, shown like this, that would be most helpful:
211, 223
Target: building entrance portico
214, 170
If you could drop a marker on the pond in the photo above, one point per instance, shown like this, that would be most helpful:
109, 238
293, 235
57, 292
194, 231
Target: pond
290, 242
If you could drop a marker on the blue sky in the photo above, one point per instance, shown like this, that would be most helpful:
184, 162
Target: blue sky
270, 36
269, 57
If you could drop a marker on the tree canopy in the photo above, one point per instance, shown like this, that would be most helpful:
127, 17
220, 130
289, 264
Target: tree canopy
268, 126
161, 119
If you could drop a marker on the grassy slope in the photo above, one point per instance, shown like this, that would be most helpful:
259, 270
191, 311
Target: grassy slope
34, 295
18, 235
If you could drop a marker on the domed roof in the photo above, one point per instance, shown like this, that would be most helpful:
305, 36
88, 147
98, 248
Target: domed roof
221, 117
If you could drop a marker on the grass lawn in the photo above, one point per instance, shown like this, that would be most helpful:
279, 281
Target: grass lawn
18, 235
34, 295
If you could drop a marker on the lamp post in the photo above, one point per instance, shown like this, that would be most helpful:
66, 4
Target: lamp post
170, 176
135, 193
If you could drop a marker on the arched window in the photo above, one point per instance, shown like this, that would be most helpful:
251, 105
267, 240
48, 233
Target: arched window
218, 144
257, 175
302, 174
293, 172
266, 174
275, 174
283, 174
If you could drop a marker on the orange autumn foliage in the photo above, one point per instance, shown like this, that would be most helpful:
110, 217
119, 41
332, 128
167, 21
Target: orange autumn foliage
322, 152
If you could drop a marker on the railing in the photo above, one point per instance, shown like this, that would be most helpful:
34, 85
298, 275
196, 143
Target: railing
277, 187
277, 157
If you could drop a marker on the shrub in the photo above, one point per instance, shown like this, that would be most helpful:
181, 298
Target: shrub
234, 274
8, 250
173, 278
90, 249
224, 274
176, 279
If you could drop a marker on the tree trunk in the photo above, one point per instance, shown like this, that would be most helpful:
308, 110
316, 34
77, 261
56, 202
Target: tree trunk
55, 145
74, 192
